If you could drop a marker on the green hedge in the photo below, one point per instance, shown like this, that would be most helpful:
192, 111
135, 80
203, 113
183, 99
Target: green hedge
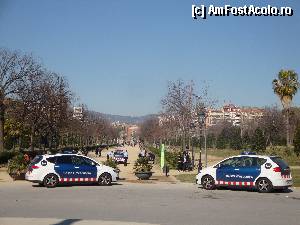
284, 152
7, 155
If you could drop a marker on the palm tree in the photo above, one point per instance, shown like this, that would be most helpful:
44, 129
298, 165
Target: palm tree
285, 87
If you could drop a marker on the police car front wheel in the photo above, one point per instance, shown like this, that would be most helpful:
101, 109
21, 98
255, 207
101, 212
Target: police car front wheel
50, 181
208, 182
105, 179
263, 185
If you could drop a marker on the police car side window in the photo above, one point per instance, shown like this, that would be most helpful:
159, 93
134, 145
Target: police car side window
77, 160
248, 162
239, 162
89, 162
52, 160
253, 161
65, 159
261, 161
82, 161
229, 162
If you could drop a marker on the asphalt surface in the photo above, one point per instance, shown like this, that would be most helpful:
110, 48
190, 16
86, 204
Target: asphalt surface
161, 203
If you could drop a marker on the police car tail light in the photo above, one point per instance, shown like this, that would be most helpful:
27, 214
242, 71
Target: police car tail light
277, 170
34, 167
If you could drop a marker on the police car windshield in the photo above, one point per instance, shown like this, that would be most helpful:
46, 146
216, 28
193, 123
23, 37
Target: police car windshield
36, 159
118, 153
280, 162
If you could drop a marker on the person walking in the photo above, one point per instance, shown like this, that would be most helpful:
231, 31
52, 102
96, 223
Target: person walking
184, 161
125, 157
107, 156
111, 154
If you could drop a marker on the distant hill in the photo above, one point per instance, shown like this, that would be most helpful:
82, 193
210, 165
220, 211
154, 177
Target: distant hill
122, 119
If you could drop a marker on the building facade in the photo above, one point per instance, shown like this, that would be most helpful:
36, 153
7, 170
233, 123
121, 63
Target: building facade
232, 114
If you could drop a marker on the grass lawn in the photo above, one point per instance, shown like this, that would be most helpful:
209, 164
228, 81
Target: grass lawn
186, 178
296, 177
223, 153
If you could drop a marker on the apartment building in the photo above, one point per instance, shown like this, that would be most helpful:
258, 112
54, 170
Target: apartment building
232, 114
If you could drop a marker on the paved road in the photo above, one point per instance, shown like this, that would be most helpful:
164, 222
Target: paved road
162, 203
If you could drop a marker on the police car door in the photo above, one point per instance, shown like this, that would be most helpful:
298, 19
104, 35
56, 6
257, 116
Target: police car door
228, 170
249, 170
85, 169
64, 167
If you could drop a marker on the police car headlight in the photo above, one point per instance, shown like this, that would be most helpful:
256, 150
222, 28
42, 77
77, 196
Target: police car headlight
116, 171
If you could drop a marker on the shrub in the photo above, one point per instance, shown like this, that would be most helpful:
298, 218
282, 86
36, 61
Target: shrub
171, 158
17, 164
111, 163
284, 152
221, 142
259, 140
142, 165
297, 141
6, 155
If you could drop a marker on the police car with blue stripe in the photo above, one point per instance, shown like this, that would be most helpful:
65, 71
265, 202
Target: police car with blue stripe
264, 173
50, 170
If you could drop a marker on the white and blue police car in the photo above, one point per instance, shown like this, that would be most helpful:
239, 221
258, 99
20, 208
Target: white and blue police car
51, 170
263, 173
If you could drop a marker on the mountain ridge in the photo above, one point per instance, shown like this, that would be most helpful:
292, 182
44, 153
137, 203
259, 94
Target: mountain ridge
122, 118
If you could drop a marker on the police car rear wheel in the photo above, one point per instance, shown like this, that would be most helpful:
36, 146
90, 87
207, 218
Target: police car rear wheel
263, 185
105, 179
50, 181
208, 183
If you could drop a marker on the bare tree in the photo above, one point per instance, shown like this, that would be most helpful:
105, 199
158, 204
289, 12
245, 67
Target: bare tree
178, 106
57, 101
14, 69
44, 100
181, 107
151, 130
272, 123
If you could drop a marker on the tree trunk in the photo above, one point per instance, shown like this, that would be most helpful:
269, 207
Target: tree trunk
2, 111
288, 143
32, 138
183, 142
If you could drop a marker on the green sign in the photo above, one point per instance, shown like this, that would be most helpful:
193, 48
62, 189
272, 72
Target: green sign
162, 155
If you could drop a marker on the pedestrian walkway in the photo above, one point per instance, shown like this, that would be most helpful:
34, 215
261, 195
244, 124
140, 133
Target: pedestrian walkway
127, 172
4, 176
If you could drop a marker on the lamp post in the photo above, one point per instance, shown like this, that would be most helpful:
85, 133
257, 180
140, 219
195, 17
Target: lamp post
202, 122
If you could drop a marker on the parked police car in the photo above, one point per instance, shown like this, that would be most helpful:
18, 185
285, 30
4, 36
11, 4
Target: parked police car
263, 173
50, 170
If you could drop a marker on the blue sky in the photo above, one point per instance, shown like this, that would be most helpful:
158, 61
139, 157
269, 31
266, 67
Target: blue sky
118, 56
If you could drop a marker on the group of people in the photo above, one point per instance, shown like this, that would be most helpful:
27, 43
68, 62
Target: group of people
110, 155
149, 155
185, 162
98, 151
142, 152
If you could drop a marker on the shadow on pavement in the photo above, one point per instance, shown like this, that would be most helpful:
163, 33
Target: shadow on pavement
76, 185
67, 222
276, 191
